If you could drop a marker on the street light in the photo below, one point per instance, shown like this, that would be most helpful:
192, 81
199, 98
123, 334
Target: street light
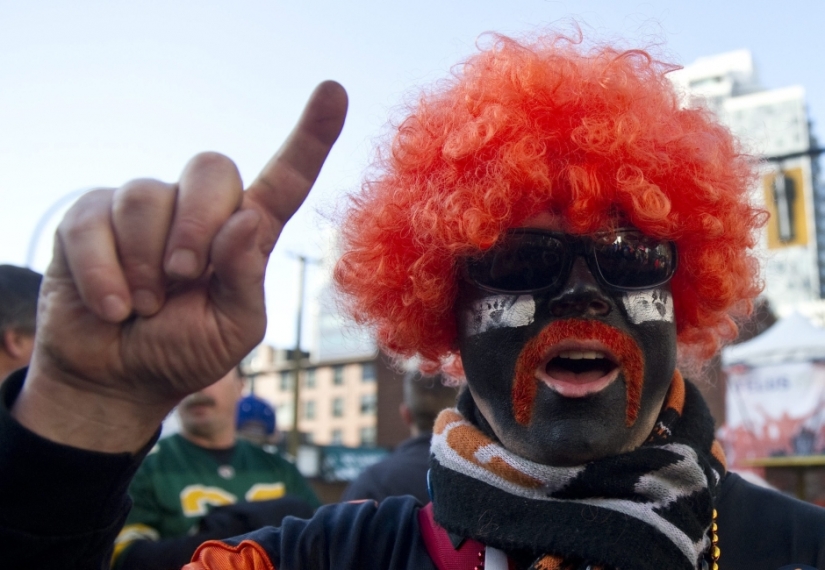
297, 355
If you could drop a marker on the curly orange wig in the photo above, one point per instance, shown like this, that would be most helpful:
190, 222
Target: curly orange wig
593, 135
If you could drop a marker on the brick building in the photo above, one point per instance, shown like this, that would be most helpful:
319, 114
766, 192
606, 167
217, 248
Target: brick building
342, 401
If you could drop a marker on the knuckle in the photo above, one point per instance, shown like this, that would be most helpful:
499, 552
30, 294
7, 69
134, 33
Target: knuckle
212, 161
141, 195
89, 210
74, 227
92, 200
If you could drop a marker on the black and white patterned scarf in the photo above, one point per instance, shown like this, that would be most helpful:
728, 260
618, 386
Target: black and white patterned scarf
651, 508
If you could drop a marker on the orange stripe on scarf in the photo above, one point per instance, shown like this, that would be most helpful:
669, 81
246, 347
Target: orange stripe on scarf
445, 418
622, 345
676, 393
466, 440
719, 453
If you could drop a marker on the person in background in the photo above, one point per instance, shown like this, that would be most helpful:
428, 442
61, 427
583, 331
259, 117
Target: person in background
19, 288
404, 471
256, 420
204, 482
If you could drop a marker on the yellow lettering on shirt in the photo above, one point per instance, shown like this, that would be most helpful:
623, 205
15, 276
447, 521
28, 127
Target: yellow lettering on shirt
195, 499
265, 491
131, 533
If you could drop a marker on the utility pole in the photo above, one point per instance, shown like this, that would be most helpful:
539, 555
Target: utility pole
297, 355
780, 158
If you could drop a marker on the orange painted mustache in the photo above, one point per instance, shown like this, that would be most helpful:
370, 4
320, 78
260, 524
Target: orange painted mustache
622, 345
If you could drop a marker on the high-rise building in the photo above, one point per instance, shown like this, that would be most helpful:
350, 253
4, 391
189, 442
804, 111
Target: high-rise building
334, 335
773, 125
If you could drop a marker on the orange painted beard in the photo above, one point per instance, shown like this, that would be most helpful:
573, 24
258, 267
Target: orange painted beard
621, 345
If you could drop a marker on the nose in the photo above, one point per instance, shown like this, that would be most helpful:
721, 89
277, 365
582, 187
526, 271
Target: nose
581, 295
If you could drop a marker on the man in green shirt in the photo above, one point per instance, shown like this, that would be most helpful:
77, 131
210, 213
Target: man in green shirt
205, 483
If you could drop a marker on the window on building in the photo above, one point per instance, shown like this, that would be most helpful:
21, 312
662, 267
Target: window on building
284, 412
286, 380
369, 403
368, 436
338, 375
337, 437
309, 438
310, 378
338, 407
309, 409
368, 372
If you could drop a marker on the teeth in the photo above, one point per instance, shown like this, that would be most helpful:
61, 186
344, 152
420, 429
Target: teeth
581, 354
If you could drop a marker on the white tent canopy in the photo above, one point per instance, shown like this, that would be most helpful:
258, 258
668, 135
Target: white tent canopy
791, 339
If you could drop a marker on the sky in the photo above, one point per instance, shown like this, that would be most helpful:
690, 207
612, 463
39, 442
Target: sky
95, 93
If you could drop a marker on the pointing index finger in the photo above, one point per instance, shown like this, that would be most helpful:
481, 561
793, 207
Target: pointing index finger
286, 179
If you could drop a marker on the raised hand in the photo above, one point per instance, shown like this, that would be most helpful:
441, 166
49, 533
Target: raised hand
156, 290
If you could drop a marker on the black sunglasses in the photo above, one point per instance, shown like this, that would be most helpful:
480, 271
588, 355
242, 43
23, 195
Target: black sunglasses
534, 261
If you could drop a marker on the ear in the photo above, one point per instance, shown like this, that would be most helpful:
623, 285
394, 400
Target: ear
406, 414
13, 343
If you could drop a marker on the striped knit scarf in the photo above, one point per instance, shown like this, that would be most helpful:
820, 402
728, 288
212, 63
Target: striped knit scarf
650, 508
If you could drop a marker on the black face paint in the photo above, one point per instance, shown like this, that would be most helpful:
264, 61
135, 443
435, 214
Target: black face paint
494, 330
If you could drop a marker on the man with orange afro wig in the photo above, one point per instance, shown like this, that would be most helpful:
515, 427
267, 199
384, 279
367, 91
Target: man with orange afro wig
548, 226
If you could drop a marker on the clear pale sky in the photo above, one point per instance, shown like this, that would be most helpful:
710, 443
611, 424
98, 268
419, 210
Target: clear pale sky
94, 93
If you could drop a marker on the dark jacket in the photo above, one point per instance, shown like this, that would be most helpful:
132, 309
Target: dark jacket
403, 472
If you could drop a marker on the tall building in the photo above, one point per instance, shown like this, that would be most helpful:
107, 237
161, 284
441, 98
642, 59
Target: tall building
773, 124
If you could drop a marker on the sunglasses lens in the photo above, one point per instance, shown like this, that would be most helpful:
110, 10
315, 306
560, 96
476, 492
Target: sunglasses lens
531, 261
522, 262
635, 261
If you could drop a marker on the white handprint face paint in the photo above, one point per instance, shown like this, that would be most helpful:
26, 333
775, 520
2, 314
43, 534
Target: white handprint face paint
649, 305
499, 311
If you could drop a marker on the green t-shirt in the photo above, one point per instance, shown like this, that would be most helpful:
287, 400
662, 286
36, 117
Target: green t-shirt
179, 482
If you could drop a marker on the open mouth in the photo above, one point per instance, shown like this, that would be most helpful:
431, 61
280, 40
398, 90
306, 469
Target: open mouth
577, 372
577, 357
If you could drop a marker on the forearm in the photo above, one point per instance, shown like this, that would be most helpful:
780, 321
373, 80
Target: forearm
51, 406
58, 503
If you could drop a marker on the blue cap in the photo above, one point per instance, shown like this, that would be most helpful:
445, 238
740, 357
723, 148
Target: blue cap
254, 409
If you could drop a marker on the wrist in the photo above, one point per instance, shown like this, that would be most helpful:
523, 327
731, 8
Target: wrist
58, 409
